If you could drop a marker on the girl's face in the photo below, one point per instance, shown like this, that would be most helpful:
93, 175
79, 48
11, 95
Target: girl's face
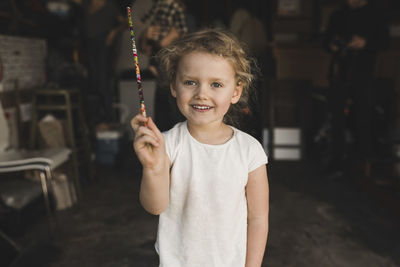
204, 88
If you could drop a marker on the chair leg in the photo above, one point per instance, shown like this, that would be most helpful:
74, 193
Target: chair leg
43, 179
86, 141
74, 148
10, 241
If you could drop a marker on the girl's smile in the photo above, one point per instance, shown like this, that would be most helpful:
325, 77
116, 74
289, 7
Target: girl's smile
201, 108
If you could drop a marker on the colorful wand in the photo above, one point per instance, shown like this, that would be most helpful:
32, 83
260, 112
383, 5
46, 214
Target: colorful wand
136, 61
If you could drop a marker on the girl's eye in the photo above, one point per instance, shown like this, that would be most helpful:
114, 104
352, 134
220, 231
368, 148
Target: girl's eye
216, 85
189, 83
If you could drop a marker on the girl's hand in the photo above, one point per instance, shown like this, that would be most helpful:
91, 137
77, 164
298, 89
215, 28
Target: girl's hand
149, 143
150, 148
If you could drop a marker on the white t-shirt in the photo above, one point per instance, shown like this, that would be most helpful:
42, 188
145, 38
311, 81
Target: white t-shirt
205, 224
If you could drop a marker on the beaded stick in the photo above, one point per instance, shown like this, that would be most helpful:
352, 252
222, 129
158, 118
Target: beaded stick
136, 61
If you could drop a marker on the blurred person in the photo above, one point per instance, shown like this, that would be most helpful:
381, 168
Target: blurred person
356, 32
102, 21
250, 31
164, 23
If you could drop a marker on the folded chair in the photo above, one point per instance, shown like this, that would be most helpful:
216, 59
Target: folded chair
45, 161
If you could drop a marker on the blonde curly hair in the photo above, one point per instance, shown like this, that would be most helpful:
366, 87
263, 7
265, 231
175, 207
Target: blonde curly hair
216, 42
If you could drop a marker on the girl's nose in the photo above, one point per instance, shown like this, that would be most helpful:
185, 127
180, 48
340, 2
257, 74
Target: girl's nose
201, 92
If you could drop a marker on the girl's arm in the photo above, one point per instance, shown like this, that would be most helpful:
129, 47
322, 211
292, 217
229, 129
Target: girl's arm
257, 192
150, 148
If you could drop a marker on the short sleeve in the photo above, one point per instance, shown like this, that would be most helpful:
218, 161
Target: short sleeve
256, 155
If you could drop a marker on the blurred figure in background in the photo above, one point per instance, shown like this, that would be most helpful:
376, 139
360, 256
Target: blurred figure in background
102, 21
165, 22
250, 30
355, 34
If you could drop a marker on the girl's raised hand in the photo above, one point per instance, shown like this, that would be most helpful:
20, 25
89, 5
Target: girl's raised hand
148, 143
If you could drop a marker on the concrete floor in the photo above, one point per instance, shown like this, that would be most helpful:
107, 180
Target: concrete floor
314, 221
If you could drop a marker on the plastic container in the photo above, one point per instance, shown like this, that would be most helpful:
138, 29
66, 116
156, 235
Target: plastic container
108, 146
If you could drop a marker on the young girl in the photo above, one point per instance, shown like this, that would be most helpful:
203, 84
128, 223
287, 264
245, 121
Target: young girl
206, 179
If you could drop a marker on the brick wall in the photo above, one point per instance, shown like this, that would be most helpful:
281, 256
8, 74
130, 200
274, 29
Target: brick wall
22, 62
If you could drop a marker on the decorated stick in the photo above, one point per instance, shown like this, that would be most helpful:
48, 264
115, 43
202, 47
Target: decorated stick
136, 61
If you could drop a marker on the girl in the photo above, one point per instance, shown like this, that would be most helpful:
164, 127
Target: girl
206, 179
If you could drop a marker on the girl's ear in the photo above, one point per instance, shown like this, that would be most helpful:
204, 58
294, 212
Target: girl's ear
237, 93
172, 89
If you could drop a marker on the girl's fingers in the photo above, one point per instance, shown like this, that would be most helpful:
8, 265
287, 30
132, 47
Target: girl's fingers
138, 121
142, 130
144, 140
152, 126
